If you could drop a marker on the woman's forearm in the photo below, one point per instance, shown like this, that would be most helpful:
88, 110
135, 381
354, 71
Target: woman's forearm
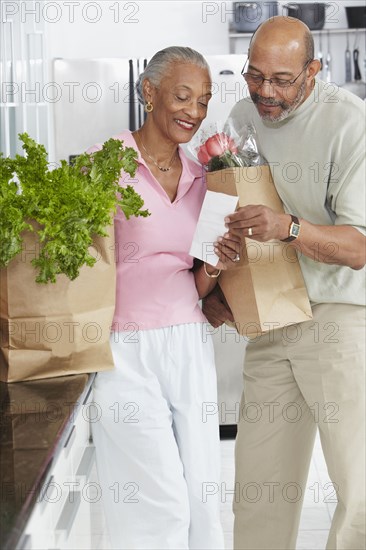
205, 283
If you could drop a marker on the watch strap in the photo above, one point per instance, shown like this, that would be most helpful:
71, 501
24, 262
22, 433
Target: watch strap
291, 237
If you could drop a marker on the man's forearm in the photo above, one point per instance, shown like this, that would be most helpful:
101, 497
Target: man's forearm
339, 245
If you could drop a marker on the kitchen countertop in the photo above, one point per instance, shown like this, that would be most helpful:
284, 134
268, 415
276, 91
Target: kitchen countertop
36, 418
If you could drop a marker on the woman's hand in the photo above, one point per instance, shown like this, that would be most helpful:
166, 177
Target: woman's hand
228, 250
216, 309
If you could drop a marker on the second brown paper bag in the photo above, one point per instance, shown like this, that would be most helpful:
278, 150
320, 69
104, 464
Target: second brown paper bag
266, 289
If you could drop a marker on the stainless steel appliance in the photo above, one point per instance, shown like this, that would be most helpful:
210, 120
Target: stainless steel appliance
249, 15
356, 17
312, 14
95, 98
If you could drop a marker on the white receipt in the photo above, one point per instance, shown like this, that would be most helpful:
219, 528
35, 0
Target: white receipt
211, 225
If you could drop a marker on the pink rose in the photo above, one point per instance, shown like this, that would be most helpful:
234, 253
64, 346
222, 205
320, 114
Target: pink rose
203, 155
215, 146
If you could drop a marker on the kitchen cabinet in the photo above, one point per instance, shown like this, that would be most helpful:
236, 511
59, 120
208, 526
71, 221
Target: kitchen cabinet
46, 458
64, 505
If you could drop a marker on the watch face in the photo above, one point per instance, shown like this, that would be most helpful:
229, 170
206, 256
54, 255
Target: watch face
295, 230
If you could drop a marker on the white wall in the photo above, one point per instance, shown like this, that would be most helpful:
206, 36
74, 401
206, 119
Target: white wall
111, 28
135, 29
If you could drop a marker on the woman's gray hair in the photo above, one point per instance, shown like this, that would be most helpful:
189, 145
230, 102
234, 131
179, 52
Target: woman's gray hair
159, 65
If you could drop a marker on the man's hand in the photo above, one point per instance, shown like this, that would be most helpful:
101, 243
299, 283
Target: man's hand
258, 222
216, 309
330, 244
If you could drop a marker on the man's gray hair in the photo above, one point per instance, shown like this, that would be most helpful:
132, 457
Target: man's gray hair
160, 63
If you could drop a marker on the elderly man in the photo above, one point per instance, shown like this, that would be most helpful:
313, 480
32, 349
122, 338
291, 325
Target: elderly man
308, 376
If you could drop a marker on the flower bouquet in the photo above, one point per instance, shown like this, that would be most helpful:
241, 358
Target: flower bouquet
265, 289
217, 149
218, 152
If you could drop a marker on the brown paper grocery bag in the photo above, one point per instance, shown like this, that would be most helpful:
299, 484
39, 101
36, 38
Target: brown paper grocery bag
266, 289
61, 328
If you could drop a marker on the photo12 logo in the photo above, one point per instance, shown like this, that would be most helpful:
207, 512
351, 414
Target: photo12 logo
72, 92
246, 16
69, 11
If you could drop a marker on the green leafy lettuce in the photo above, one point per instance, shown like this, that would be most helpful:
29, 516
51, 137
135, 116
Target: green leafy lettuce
66, 206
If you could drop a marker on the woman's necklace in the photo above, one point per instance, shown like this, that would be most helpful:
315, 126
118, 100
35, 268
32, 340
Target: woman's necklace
154, 161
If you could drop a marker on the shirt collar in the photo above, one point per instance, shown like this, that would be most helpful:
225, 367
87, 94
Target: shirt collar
191, 170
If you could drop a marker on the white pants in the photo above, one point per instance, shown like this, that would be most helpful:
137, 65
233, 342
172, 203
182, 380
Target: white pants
156, 453
297, 380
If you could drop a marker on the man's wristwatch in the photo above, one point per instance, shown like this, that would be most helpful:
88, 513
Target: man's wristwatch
294, 230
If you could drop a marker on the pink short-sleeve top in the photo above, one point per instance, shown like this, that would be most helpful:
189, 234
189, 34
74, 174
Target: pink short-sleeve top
155, 284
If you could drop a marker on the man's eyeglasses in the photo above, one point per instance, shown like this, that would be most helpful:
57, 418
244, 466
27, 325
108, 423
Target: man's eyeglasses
257, 80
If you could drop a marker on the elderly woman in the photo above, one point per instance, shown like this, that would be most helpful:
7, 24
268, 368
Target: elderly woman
157, 453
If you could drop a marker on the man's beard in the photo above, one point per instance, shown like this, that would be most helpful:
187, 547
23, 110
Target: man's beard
286, 107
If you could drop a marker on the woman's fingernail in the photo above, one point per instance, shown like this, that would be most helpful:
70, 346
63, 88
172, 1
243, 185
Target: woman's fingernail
226, 220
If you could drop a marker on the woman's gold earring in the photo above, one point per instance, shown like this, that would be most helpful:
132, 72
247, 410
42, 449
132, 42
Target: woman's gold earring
149, 107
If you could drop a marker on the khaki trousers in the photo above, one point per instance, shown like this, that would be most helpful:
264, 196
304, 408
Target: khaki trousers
296, 380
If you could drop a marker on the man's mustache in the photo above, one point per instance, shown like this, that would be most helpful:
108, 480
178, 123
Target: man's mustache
268, 101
